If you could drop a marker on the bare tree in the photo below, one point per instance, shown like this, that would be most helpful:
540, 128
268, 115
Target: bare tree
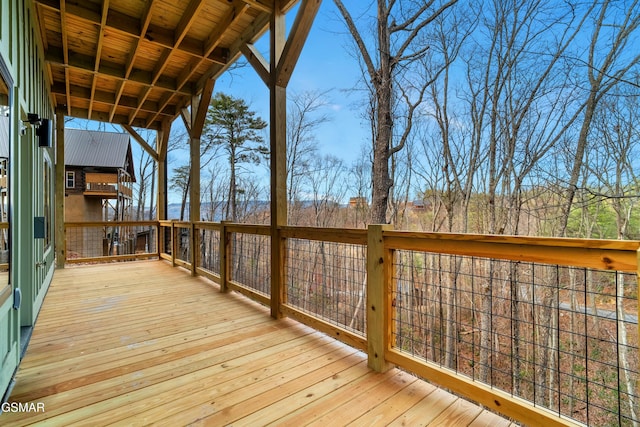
326, 183
611, 59
303, 119
387, 60
616, 184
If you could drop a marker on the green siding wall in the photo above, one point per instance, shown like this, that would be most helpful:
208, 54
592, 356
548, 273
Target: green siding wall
32, 260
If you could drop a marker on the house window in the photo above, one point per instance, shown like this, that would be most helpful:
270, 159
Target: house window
71, 180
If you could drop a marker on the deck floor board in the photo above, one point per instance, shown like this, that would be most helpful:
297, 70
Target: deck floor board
143, 343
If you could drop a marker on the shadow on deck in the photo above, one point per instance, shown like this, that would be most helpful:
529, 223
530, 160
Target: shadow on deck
144, 343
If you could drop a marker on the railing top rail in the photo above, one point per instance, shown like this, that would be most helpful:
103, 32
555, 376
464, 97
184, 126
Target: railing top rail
625, 245
592, 253
261, 229
183, 224
207, 225
354, 236
110, 223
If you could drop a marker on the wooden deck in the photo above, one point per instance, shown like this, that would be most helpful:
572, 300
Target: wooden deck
144, 343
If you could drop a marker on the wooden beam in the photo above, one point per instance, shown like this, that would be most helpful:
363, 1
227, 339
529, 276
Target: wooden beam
278, 148
185, 114
236, 11
259, 5
84, 64
141, 141
299, 32
133, 53
257, 61
163, 142
201, 105
60, 238
131, 27
379, 264
98, 54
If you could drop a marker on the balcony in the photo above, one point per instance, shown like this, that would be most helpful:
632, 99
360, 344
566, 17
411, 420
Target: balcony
106, 185
544, 331
146, 343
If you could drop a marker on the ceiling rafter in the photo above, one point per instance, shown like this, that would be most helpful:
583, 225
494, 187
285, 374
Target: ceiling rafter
186, 21
140, 62
133, 54
65, 51
237, 9
293, 47
108, 98
100, 41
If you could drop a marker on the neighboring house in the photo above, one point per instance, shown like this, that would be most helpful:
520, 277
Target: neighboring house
98, 187
98, 176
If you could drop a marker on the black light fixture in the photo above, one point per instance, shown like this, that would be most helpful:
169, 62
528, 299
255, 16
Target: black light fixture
33, 119
42, 129
44, 134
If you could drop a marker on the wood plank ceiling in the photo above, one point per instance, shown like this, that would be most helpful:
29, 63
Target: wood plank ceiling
139, 62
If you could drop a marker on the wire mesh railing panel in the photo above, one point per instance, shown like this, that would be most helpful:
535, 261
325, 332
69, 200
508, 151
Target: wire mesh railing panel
209, 258
328, 280
564, 338
183, 243
98, 241
250, 263
167, 239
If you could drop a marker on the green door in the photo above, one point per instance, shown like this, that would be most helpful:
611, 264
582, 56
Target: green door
9, 354
9, 327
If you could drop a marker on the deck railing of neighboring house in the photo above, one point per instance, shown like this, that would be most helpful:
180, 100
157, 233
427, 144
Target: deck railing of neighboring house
106, 184
543, 330
4, 246
102, 241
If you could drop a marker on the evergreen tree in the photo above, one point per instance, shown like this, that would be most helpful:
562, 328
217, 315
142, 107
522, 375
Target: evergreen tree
232, 127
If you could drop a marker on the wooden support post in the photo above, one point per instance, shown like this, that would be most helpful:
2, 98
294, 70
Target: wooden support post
60, 185
174, 244
194, 188
225, 257
194, 241
163, 142
278, 147
379, 269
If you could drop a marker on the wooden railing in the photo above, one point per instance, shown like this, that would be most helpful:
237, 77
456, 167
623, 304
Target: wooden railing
107, 241
542, 330
4, 246
105, 184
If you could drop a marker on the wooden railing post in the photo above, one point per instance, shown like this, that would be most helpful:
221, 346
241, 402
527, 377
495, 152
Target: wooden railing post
193, 242
60, 231
174, 244
379, 268
159, 239
225, 256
